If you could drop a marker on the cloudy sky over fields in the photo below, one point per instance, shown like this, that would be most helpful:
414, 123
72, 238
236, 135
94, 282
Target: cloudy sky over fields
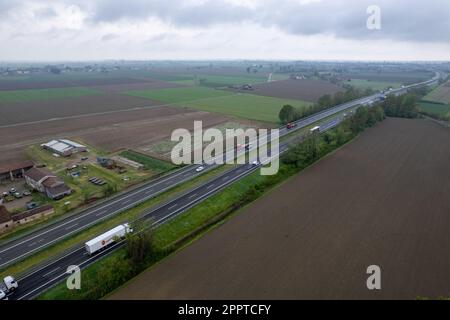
223, 29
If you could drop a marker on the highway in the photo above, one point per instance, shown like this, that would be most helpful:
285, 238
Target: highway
46, 276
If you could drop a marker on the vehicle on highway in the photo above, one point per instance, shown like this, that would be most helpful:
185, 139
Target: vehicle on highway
107, 238
315, 129
255, 163
8, 285
291, 125
199, 169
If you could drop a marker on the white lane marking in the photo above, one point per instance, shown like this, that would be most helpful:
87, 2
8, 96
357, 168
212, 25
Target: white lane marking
72, 226
173, 206
192, 196
210, 186
100, 213
32, 244
51, 272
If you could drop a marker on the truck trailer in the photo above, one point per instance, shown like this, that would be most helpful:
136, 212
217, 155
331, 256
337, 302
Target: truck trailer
105, 239
315, 129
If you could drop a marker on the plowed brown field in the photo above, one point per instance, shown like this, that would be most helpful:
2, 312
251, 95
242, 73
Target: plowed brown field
306, 90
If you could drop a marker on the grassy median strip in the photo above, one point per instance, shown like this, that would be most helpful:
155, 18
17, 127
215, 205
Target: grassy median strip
56, 249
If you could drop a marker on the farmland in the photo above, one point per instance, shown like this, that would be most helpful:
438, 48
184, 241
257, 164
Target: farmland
248, 106
398, 76
241, 105
108, 132
374, 85
438, 109
23, 112
178, 95
390, 207
441, 94
44, 94
304, 90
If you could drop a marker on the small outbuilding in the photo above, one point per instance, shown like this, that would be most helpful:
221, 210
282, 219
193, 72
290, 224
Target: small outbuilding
64, 147
46, 182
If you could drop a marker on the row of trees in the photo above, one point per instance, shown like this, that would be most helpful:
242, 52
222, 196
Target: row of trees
316, 146
404, 106
288, 113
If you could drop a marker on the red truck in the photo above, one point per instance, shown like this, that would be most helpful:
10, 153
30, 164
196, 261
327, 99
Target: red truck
291, 125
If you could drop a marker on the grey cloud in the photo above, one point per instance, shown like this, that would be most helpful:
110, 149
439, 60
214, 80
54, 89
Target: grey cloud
412, 20
7, 5
403, 20
109, 36
175, 12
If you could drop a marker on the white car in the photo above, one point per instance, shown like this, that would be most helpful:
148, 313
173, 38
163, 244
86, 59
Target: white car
199, 169
3, 295
255, 163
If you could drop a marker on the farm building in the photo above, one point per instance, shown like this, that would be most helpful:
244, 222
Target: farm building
64, 147
33, 214
46, 182
14, 170
8, 221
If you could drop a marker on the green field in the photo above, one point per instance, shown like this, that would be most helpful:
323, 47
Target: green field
441, 94
248, 106
224, 81
441, 110
374, 85
179, 95
240, 105
156, 166
45, 94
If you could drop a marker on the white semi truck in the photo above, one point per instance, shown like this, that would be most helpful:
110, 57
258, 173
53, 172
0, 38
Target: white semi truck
8, 285
315, 129
105, 239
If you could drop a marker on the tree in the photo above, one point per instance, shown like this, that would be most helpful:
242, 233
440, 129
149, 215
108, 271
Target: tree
287, 114
139, 243
359, 121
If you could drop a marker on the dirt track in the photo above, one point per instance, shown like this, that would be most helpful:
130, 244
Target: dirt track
383, 199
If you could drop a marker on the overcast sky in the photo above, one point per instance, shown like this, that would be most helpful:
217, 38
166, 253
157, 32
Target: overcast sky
36, 30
